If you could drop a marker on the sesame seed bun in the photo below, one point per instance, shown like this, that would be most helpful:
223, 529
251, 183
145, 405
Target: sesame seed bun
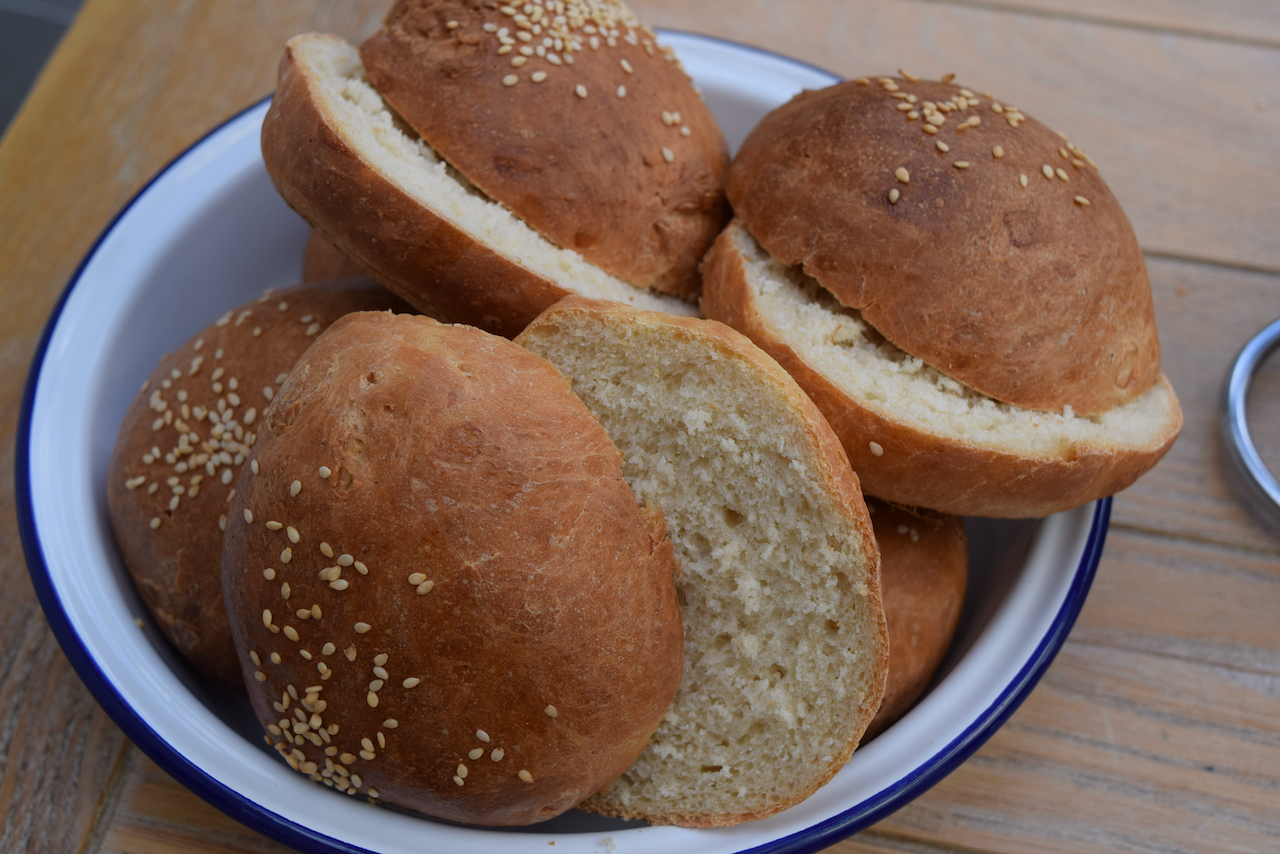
178, 455
445, 594
580, 123
914, 435
1034, 295
785, 649
924, 568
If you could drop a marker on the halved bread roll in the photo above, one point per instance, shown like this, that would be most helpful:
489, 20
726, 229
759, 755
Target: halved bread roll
914, 435
445, 594
785, 647
343, 159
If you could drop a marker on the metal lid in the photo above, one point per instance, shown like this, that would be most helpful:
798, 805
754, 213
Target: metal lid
1249, 474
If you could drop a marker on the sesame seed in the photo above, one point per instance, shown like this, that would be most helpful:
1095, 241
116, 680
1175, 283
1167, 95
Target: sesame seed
942, 146
391, 723
361, 568
417, 578
497, 754
413, 682
347, 758
911, 77
462, 771
862, 81
929, 129
935, 119
457, 780
291, 633
266, 617
285, 590
580, 90
903, 107
293, 534
550, 711
525, 775
516, 62
948, 77
425, 587
362, 627
327, 649
295, 488
380, 659
286, 555
350, 652
269, 574
275, 658
1022, 179
382, 741
1062, 173
622, 91
902, 175
248, 515
372, 699
345, 560
260, 676
475, 754
326, 550
482, 735
538, 76
894, 195
997, 152
340, 584
1048, 171
325, 471
626, 66
876, 448
961, 164
1082, 201
668, 155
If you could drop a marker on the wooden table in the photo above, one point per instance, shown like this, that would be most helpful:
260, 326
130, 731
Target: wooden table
1158, 726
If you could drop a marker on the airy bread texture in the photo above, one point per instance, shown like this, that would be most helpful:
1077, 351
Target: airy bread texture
924, 569
915, 435
446, 594
990, 248
343, 160
577, 120
178, 455
785, 648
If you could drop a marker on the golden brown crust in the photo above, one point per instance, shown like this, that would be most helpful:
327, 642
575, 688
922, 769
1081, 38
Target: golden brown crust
322, 262
590, 173
222, 369
544, 624
1024, 294
924, 569
435, 266
917, 468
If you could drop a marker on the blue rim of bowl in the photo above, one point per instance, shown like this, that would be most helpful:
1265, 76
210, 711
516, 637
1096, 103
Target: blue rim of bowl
291, 833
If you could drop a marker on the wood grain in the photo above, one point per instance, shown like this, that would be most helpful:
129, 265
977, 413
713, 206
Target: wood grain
1158, 726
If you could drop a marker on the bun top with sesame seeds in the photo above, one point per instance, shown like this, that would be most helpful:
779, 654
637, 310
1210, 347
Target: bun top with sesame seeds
968, 234
570, 114
444, 592
180, 448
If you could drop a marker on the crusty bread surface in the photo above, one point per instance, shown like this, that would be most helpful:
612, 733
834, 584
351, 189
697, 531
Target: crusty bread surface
785, 647
924, 569
322, 262
344, 161
914, 435
178, 454
577, 120
445, 593
990, 248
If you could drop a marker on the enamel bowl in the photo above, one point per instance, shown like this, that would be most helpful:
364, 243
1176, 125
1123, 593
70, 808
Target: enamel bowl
209, 233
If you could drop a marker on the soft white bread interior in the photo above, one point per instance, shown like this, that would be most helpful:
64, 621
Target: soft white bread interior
785, 642
342, 158
914, 435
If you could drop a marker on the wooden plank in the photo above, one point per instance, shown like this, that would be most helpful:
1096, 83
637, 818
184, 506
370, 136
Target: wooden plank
1183, 127
1246, 21
1204, 314
153, 813
1117, 750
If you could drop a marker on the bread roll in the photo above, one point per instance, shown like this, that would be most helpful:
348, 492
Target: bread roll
322, 262
445, 593
343, 160
785, 648
914, 435
924, 569
177, 457
1035, 295
576, 120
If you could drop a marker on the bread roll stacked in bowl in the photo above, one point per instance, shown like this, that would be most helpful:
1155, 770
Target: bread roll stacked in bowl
483, 162
957, 289
924, 570
447, 595
785, 647
177, 458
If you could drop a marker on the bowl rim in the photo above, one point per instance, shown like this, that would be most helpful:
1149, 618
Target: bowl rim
263, 820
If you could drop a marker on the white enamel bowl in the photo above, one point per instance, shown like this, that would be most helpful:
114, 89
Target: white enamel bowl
209, 233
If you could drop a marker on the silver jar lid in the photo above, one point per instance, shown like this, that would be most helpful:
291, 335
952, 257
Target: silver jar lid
1249, 474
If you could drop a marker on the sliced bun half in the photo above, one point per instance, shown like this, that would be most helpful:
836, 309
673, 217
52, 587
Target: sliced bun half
342, 158
445, 594
914, 435
785, 647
